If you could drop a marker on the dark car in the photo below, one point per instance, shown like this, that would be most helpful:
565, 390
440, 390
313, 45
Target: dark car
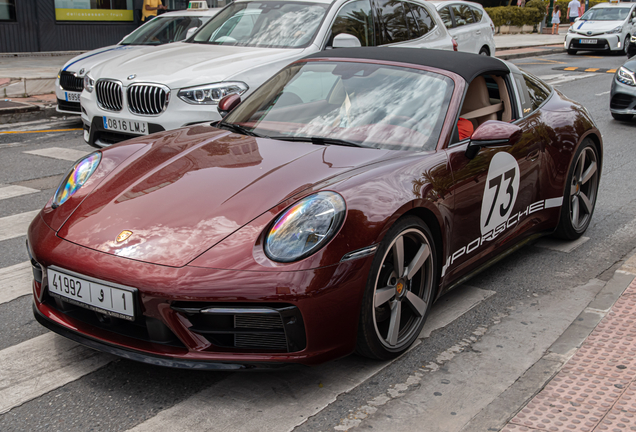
324, 215
623, 92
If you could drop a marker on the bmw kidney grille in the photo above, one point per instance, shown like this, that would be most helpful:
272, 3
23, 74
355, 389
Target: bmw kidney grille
109, 95
147, 99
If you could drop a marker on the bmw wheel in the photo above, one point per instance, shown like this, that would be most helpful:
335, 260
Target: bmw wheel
580, 193
399, 290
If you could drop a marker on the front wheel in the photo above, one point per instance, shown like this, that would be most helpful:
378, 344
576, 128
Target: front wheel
626, 46
580, 193
572, 51
484, 51
399, 290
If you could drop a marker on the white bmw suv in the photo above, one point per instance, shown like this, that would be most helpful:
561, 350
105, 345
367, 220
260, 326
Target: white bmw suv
245, 44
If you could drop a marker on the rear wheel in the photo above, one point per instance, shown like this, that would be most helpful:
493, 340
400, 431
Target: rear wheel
484, 51
399, 290
580, 193
622, 117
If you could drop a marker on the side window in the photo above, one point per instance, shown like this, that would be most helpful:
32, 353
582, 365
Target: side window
462, 14
477, 13
424, 22
445, 14
355, 18
391, 22
538, 91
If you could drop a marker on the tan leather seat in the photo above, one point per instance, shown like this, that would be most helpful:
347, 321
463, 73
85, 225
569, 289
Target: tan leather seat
477, 107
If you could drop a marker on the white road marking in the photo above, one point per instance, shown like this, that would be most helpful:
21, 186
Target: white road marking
42, 364
563, 78
286, 399
16, 225
604, 93
7, 192
15, 281
59, 153
561, 245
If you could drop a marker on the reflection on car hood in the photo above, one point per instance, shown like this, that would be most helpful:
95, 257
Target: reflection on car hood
630, 64
89, 60
583, 27
180, 64
190, 188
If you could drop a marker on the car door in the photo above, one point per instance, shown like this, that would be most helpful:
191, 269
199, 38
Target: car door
354, 18
464, 28
496, 192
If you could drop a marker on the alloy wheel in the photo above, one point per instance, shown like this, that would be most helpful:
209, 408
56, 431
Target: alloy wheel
583, 188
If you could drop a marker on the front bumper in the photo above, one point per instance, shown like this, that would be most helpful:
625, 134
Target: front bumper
604, 42
167, 331
178, 114
622, 98
65, 104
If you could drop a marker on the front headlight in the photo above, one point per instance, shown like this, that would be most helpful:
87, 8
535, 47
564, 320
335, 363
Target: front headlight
615, 30
211, 94
633, 39
305, 227
59, 74
89, 83
626, 76
76, 177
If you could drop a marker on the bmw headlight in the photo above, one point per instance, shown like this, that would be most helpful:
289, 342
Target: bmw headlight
615, 30
211, 94
89, 83
75, 179
626, 76
305, 227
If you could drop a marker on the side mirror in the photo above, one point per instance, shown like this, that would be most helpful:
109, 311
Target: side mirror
576, 19
492, 133
344, 40
191, 31
228, 103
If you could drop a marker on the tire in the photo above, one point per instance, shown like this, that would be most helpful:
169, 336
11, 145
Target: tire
395, 306
580, 194
626, 45
622, 117
572, 51
484, 51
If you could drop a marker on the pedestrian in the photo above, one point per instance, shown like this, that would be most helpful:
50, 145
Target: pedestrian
150, 9
521, 3
556, 19
573, 10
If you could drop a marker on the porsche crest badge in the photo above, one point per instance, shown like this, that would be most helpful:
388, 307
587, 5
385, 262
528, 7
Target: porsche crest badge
123, 236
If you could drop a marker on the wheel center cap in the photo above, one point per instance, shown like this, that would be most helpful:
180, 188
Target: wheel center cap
401, 288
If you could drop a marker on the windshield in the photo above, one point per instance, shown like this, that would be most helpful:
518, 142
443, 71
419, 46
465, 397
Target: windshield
164, 30
274, 24
362, 104
606, 14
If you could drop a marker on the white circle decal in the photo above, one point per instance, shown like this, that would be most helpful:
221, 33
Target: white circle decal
500, 193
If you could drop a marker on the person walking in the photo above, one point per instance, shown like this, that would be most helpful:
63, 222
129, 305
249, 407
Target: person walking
556, 19
573, 10
150, 9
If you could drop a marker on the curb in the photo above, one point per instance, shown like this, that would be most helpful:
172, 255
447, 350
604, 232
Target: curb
503, 56
509, 403
38, 113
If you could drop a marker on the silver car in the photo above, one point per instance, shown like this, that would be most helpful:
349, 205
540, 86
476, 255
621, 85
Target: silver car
469, 24
623, 94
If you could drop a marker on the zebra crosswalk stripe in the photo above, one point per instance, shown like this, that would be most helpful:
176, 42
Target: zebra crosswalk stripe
59, 153
15, 281
16, 225
13, 191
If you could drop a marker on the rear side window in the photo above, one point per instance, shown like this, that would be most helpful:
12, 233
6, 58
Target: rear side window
463, 15
419, 20
445, 14
477, 13
392, 26
355, 18
538, 91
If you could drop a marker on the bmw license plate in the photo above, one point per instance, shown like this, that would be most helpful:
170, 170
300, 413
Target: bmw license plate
588, 41
127, 126
72, 96
91, 294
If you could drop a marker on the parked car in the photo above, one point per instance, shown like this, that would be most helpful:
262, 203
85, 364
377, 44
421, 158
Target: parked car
605, 27
235, 52
623, 93
324, 214
166, 28
469, 24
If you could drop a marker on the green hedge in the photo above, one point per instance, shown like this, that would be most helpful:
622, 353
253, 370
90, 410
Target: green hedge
532, 14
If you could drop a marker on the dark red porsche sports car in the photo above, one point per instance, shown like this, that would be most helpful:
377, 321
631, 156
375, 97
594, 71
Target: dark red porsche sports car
324, 215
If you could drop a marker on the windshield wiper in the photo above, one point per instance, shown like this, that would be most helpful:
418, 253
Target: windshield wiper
319, 140
240, 129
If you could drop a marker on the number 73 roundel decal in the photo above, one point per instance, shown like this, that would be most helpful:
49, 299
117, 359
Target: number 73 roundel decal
500, 192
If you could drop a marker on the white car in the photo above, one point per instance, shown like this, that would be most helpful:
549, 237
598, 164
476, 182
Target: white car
605, 27
166, 28
469, 24
235, 52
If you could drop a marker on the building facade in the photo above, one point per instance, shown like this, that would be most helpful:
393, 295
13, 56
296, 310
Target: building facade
69, 25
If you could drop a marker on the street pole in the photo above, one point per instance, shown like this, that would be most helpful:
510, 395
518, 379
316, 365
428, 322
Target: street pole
549, 17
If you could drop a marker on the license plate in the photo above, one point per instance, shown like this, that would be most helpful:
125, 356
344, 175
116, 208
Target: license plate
89, 294
588, 41
127, 126
72, 96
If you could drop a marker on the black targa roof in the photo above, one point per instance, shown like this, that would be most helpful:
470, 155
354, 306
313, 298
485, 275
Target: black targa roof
466, 65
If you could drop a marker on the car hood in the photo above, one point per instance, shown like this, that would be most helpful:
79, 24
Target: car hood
583, 27
630, 64
181, 64
89, 60
188, 189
